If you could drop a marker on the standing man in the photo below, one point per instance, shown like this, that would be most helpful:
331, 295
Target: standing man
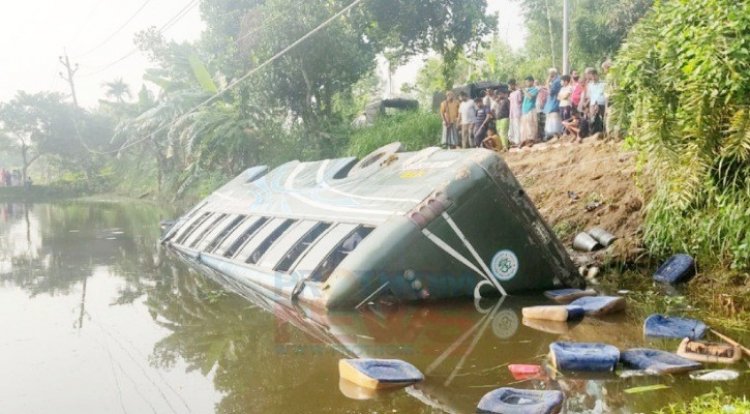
449, 113
597, 103
482, 123
467, 113
564, 96
489, 96
516, 100
529, 123
552, 120
503, 117
577, 90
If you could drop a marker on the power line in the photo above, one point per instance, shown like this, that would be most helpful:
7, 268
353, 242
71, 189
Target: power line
266, 24
85, 21
166, 26
117, 31
252, 72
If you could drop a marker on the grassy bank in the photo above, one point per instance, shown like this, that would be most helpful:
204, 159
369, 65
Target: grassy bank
714, 403
414, 129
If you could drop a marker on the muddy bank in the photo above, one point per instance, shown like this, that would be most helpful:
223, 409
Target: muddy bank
580, 186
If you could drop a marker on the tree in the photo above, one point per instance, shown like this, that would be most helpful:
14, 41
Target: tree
43, 124
27, 125
118, 90
299, 106
452, 29
681, 92
598, 29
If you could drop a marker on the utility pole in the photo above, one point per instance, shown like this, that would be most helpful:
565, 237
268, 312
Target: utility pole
566, 37
68, 76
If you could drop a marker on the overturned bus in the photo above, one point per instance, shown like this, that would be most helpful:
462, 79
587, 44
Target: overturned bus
406, 226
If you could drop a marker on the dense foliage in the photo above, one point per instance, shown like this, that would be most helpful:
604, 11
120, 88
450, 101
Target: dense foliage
301, 105
414, 129
44, 126
597, 29
681, 91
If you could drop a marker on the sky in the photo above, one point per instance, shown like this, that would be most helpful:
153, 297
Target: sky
98, 36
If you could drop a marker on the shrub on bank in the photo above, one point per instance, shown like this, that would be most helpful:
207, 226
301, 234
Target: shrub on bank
681, 91
414, 129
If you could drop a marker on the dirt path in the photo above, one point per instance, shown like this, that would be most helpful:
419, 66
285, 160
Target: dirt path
580, 186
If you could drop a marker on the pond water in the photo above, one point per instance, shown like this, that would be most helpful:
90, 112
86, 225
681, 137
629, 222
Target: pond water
97, 318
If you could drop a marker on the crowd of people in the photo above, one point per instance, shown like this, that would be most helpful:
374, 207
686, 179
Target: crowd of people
10, 178
514, 115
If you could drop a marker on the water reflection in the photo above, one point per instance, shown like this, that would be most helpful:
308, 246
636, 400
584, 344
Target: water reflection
141, 331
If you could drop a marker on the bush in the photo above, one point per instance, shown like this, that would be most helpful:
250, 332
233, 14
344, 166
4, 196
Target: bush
414, 129
682, 92
714, 403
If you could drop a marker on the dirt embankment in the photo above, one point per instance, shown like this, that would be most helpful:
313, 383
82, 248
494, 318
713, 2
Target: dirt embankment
580, 186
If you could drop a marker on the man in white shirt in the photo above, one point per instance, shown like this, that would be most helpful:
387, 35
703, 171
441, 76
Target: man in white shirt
467, 114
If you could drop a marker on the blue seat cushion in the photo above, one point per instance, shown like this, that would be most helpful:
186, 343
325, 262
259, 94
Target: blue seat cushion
588, 357
660, 326
677, 269
388, 370
657, 362
595, 305
515, 401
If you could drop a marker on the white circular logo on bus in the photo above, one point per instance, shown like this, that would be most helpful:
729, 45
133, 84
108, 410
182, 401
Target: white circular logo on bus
504, 265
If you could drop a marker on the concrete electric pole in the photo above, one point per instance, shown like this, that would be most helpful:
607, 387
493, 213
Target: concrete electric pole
566, 37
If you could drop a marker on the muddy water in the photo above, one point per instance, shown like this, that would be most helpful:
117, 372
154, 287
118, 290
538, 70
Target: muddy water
97, 319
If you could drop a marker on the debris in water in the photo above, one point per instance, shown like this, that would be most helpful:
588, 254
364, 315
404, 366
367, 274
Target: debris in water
715, 375
565, 296
646, 388
511, 400
379, 373
710, 352
678, 269
587, 357
522, 372
558, 313
660, 326
657, 362
600, 305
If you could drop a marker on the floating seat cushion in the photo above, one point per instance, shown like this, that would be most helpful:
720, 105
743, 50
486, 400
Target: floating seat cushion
710, 352
588, 357
654, 361
551, 327
515, 401
600, 305
560, 313
660, 326
565, 296
677, 269
379, 373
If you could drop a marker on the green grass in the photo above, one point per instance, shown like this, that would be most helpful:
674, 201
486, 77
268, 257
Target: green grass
713, 403
414, 129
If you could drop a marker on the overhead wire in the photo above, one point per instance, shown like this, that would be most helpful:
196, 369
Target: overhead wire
117, 31
166, 26
236, 82
85, 21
